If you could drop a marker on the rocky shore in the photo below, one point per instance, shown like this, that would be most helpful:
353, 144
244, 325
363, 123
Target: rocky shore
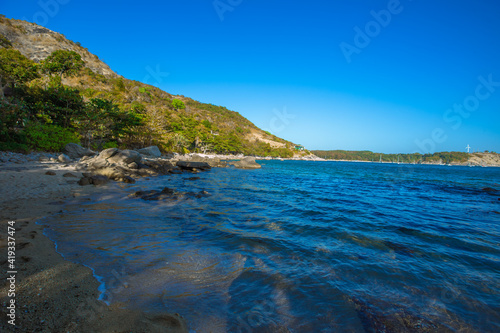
53, 294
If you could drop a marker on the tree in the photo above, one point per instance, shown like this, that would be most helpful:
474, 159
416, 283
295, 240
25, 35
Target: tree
15, 68
178, 104
63, 62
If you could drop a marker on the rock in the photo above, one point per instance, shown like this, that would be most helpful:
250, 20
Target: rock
125, 157
166, 193
489, 189
88, 179
213, 162
112, 172
247, 163
193, 178
185, 165
74, 151
133, 165
50, 173
151, 151
160, 166
69, 174
99, 179
126, 179
63, 158
98, 163
84, 181
107, 153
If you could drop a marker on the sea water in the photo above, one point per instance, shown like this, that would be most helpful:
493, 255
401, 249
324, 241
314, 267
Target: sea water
300, 247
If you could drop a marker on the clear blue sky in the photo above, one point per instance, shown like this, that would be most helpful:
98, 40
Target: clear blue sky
284, 64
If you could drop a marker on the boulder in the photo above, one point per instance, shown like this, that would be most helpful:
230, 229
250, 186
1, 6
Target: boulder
247, 163
160, 166
98, 163
99, 179
88, 179
190, 166
125, 157
133, 165
126, 179
107, 153
63, 158
74, 150
214, 162
50, 173
84, 181
151, 151
69, 174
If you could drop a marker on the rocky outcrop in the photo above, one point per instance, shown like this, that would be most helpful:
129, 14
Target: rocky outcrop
75, 151
159, 166
152, 151
246, 163
214, 162
193, 166
37, 43
125, 157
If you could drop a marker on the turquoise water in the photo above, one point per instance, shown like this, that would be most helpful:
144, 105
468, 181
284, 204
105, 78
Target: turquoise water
301, 247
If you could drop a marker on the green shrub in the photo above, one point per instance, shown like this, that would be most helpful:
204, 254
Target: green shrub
110, 144
13, 146
178, 104
49, 137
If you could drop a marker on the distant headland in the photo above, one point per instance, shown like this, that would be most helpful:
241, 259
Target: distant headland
445, 158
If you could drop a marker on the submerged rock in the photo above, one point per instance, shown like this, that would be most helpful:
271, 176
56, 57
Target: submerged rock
392, 318
167, 194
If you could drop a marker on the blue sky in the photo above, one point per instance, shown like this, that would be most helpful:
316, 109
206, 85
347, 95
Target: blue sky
375, 75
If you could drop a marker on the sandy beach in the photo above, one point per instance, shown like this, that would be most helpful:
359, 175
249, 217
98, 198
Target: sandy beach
51, 293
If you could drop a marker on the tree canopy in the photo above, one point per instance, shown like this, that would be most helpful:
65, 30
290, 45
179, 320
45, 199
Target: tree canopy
15, 68
63, 62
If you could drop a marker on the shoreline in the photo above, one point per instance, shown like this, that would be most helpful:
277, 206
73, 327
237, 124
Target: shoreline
53, 294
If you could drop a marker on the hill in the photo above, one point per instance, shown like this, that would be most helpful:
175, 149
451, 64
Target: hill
101, 109
454, 158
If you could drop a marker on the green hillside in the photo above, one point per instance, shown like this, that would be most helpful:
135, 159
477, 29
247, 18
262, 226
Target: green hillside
56, 91
441, 157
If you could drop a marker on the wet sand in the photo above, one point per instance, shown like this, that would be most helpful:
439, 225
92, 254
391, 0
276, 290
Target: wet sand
51, 293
